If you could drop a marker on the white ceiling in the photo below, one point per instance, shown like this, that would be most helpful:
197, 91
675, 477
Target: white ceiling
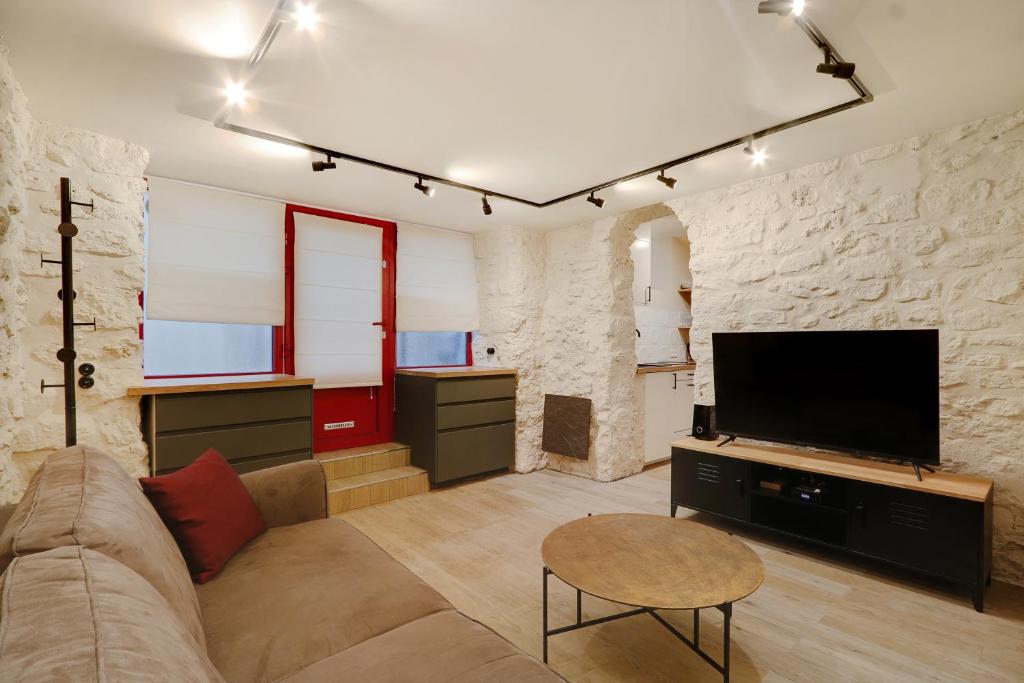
526, 97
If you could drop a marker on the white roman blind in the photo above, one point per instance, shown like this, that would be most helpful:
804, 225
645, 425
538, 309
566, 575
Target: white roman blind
337, 302
436, 281
213, 256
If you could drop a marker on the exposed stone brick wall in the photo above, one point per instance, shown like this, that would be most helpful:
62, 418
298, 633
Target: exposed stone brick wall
108, 278
928, 232
558, 306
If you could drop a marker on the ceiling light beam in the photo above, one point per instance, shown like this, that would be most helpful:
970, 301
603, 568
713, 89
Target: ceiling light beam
864, 96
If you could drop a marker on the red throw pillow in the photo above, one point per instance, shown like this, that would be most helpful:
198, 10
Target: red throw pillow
208, 510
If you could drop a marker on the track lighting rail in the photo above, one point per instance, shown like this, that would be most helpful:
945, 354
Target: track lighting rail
831, 55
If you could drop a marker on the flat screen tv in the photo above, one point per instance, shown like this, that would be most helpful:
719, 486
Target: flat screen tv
871, 392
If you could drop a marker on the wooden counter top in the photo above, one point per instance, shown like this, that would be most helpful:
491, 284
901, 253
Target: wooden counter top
457, 371
681, 367
963, 486
191, 385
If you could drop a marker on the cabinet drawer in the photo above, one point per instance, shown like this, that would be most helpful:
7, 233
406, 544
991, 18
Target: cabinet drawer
253, 464
470, 414
476, 389
195, 411
465, 452
178, 450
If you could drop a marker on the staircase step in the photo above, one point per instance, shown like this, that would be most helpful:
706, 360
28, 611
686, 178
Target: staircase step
349, 493
351, 462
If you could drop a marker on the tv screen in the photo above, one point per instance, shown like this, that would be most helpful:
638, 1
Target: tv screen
870, 392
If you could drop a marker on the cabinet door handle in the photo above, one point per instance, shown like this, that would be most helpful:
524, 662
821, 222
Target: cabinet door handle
861, 512
675, 381
739, 486
647, 299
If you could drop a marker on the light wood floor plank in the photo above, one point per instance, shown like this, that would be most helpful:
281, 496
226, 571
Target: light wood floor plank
819, 617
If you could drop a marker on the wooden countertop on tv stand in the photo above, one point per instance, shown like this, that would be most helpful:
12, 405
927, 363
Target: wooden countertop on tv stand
965, 486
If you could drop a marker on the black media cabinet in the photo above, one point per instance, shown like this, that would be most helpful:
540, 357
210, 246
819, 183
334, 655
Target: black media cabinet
941, 526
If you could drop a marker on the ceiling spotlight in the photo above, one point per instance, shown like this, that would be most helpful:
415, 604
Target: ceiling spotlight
324, 165
781, 7
305, 16
596, 201
486, 206
836, 69
236, 94
669, 182
756, 154
425, 189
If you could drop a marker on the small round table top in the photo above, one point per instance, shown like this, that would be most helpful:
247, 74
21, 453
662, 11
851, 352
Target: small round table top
652, 561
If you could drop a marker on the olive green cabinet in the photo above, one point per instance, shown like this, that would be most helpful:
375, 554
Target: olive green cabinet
252, 428
457, 426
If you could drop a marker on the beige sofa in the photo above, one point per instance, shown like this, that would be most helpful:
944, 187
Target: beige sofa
94, 588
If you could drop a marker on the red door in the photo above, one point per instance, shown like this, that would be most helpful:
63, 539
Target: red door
349, 416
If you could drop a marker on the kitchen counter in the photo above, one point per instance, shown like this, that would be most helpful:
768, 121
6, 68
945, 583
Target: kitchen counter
456, 371
680, 367
191, 385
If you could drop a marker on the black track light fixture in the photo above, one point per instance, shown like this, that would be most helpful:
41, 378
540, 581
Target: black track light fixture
424, 188
319, 166
596, 201
781, 7
835, 68
486, 206
667, 180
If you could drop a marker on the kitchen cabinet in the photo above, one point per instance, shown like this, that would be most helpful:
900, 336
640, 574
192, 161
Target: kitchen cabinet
661, 260
668, 411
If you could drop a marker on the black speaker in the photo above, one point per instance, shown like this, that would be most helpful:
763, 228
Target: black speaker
704, 422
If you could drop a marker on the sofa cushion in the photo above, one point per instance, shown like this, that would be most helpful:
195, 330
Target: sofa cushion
80, 496
445, 646
298, 594
73, 614
208, 510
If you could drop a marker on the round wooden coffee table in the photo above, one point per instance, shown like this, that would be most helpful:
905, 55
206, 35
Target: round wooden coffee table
651, 562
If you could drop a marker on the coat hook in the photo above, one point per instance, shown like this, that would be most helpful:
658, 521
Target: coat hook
87, 324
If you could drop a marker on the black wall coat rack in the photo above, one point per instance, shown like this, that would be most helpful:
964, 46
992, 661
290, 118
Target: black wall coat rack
66, 355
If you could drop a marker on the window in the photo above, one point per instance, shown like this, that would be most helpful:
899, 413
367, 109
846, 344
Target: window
174, 348
433, 349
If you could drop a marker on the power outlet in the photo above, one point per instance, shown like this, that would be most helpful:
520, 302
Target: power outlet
331, 426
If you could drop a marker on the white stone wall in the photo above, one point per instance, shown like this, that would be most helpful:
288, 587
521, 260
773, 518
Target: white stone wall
108, 278
927, 232
510, 275
558, 306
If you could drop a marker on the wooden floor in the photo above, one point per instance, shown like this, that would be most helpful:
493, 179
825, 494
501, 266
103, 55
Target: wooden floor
817, 618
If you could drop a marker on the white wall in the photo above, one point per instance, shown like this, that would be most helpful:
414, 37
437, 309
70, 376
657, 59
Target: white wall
558, 306
108, 278
928, 232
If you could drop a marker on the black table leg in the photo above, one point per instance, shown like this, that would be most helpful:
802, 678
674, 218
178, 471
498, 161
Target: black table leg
727, 611
546, 572
579, 606
696, 627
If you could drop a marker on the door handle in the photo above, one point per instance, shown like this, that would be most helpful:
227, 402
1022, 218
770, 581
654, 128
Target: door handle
648, 299
861, 512
740, 486
675, 381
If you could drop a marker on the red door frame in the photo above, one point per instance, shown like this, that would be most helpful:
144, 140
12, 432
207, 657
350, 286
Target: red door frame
385, 400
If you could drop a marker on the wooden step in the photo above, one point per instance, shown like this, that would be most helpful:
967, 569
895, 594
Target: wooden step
351, 462
349, 493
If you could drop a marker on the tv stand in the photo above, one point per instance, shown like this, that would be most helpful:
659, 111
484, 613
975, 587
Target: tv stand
728, 439
940, 526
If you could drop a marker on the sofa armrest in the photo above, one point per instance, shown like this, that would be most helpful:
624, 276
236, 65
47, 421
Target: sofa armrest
289, 494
